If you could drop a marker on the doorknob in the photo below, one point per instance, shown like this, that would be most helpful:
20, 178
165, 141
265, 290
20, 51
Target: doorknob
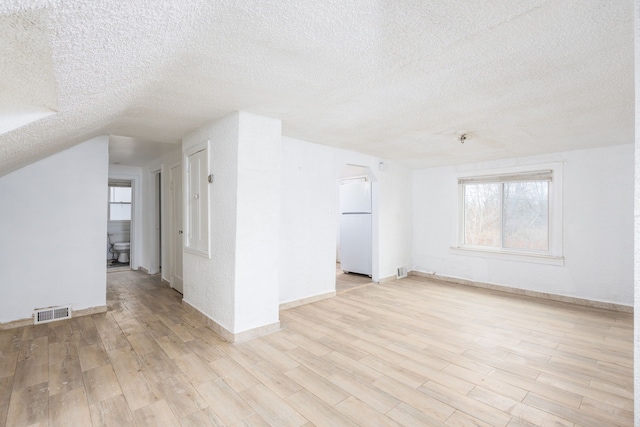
179, 231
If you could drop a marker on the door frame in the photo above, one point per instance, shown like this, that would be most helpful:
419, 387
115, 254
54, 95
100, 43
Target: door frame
135, 237
363, 170
172, 226
154, 229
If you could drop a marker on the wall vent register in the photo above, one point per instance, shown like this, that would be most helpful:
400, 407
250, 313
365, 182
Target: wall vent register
51, 314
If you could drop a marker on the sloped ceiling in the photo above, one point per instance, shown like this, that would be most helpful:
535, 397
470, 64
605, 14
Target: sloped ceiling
396, 79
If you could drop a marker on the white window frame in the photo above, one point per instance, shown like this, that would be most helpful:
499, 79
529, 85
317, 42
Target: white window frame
553, 256
120, 203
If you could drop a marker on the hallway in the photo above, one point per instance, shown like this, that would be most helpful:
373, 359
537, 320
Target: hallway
409, 352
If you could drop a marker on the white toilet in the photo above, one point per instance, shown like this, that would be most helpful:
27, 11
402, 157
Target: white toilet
122, 249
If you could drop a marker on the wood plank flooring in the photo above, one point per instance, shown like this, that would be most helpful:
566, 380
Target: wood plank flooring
409, 352
346, 282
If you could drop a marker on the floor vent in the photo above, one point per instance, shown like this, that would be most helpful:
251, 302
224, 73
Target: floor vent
402, 272
52, 314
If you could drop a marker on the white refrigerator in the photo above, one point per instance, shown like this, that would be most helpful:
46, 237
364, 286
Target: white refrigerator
355, 227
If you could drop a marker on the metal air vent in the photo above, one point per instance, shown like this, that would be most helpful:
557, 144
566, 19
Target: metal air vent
51, 314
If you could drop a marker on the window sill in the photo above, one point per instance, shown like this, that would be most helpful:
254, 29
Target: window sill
509, 256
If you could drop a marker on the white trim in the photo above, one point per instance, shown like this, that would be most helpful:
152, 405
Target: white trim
536, 175
109, 202
173, 280
153, 243
529, 293
224, 333
509, 255
554, 255
308, 300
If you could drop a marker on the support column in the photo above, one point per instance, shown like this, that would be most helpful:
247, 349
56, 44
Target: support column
235, 289
258, 224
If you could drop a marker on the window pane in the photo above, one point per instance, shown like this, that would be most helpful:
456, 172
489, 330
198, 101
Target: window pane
119, 212
120, 194
482, 214
526, 215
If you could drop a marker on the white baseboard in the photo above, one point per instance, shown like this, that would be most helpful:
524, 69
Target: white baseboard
75, 313
308, 300
387, 279
227, 335
503, 288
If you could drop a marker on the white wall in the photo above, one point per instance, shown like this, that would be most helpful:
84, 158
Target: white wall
53, 224
396, 218
309, 205
597, 224
257, 222
308, 220
208, 283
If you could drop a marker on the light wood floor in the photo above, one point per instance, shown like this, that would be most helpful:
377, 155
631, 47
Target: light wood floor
348, 281
409, 352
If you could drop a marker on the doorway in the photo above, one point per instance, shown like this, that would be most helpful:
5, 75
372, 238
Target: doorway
176, 235
119, 216
154, 225
357, 237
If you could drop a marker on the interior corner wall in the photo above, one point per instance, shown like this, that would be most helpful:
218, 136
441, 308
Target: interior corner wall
53, 224
309, 217
597, 223
208, 283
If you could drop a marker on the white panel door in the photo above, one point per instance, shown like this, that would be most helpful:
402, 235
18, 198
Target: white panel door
177, 236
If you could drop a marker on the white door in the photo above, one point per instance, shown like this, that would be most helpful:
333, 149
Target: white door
177, 235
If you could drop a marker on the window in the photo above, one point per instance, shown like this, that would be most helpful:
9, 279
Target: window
119, 201
513, 212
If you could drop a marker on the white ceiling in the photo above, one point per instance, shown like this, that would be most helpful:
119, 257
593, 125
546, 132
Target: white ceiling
136, 152
397, 79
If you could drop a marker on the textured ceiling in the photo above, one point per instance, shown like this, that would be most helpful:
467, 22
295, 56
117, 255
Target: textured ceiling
396, 79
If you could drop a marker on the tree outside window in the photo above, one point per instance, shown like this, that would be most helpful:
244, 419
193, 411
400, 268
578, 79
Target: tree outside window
507, 215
